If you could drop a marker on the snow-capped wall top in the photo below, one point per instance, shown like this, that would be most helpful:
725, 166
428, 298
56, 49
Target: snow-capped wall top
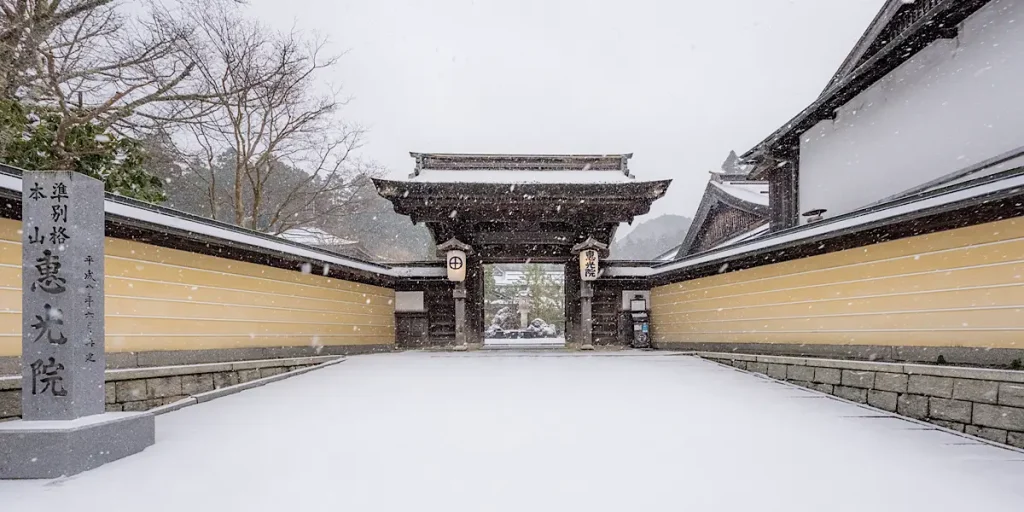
314, 237
187, 225
983, 190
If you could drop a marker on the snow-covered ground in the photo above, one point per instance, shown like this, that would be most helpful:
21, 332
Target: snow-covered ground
524, 342
499, 431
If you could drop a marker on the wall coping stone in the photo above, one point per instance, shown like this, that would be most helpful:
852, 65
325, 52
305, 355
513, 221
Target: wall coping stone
292, 361
782, 360
14, 381
841, 364
171, 407
960, 372
750, 358
237, 388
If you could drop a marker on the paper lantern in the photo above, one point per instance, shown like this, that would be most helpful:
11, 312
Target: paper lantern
455, 261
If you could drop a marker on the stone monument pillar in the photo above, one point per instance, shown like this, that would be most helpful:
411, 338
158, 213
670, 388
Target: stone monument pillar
64, 429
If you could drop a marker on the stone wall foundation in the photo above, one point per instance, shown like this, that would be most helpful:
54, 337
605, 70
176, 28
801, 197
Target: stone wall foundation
142, 389
981, 402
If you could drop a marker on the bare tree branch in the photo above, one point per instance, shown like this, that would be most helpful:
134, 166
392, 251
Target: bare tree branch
271, 144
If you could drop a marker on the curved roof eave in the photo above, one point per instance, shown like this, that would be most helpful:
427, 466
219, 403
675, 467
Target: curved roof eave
405, 188
712, 197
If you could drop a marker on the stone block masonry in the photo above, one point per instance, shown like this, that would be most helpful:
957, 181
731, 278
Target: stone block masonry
886, 400
894, 382
800, 373
1011, 394
142, 389
827, 375
931, 386
913, 406
852, 378
982, 391
985, 403
852, 394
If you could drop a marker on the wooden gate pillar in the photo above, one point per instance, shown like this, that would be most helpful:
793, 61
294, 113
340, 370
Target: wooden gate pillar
455, 255
589, 253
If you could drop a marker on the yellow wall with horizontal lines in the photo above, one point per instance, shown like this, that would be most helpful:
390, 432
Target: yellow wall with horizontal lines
962, 287
166, 299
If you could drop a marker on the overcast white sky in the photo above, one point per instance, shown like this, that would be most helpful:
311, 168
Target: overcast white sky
676, 82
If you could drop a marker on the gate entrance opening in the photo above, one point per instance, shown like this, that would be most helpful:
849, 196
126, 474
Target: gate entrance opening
524, 305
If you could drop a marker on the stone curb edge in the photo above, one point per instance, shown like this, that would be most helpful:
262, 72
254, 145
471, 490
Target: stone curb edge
959, 372
870, 408
237, 388
9, 382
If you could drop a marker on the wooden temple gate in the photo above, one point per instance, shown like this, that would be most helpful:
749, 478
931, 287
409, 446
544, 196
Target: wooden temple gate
517, 209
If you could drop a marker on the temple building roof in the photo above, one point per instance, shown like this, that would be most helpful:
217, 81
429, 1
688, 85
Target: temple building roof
753, 192
733, 209
514, 169
521, 206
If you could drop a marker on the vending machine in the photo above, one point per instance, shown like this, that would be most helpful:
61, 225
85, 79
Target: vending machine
640, 319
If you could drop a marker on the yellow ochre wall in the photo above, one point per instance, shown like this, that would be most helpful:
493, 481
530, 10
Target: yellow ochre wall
166, 299
962, 287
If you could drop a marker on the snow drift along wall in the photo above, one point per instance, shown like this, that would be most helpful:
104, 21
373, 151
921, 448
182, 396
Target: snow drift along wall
954, 104
160, 299
956, 288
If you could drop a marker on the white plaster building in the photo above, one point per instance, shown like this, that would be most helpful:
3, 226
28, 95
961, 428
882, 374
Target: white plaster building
930, 95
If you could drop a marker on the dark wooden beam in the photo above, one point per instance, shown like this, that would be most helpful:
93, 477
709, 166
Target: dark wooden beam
783, 190
524, 238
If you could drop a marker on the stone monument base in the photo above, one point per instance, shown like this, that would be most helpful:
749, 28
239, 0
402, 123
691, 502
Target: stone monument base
50, 449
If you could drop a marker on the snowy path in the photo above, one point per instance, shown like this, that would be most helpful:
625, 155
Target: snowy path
537, 432
525, 342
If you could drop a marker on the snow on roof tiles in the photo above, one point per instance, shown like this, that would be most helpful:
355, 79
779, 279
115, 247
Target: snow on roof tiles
518, 177
744, 236
750, 191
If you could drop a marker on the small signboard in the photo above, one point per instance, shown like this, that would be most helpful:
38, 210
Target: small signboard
589, 264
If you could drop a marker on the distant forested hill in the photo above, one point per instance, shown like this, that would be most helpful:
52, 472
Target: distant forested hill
651, 238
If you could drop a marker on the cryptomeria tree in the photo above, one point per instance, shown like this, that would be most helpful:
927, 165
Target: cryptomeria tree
546, 294
28, 140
